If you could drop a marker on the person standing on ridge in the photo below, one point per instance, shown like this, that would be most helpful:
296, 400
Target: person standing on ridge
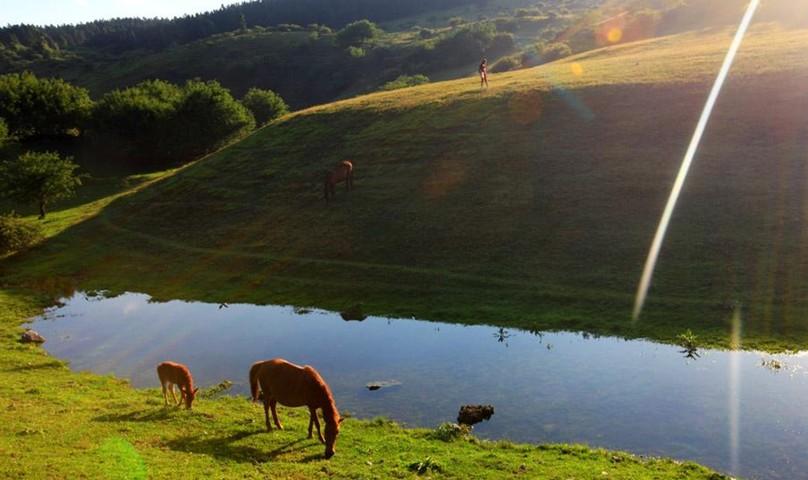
483, 69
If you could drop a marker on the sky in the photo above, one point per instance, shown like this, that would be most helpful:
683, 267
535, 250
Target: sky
58, 12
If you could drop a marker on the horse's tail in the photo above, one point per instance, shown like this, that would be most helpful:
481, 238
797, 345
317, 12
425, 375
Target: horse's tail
254, 381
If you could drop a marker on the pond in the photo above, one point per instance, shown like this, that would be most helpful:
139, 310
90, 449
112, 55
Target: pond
726, 410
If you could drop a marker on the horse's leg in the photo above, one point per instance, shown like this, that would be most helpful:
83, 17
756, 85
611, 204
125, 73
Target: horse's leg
173, 396
317, 424
165, 394
272, 405
312, 412
266, 413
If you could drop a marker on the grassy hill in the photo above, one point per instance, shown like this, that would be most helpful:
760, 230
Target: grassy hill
530, 204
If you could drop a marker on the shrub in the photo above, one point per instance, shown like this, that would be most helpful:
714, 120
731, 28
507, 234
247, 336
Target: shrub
17, 234
555, 51
405, 81
34, 106
358, 33
449, 432
265, 105
507, 64
3, 132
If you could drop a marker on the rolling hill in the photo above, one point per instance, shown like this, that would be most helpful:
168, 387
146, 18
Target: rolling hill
529, 204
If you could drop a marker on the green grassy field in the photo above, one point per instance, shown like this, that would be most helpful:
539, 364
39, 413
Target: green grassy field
530, 204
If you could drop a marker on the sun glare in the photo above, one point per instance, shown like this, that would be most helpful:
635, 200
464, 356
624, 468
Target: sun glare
659, 237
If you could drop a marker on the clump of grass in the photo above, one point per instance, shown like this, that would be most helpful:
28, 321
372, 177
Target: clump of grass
216, 390
688, 340
425, 466
449, 432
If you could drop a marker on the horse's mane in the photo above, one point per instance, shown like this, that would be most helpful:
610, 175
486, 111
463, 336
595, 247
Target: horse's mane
330, 411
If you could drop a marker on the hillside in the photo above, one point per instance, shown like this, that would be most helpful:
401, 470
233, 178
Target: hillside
529, 204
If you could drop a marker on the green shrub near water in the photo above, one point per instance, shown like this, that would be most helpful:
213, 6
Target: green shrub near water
17, 233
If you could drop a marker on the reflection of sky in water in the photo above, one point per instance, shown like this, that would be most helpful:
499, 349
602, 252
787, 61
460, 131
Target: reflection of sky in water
630, 395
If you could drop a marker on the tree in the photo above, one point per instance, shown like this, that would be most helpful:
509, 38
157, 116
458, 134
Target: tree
3, 132
42, 106
208, 116
40, 178
358, 33
265, 105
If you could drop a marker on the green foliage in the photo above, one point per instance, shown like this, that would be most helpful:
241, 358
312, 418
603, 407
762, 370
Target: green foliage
506, 64
3, 132
688, 340
159, 121
449, 432
358, 33
404, 81
40, 178
265, 105
426, 465
144, 115
34, 106
208, 116
555, 51
17, 234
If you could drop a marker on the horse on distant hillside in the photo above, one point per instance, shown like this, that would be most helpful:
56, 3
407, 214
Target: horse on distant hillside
343, 172
170, 374
295, 386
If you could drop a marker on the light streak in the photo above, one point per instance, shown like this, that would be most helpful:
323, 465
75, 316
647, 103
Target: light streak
659, 237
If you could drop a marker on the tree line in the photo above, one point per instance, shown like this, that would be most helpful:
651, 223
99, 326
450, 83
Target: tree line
123, 34
151, 122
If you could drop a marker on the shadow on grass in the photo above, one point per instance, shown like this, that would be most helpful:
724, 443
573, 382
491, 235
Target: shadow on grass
150, 415
224, 448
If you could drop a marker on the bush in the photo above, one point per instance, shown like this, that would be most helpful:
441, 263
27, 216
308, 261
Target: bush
3, 132
39, 107
405, 81
17, 234
507, 64
555, 51
265, 105
358, 33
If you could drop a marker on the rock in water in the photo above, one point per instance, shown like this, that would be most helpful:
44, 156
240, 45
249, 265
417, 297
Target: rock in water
31, 336
472, 414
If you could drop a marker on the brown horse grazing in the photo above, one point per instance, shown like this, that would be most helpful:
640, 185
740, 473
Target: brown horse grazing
343, 172
295, 386
170, 374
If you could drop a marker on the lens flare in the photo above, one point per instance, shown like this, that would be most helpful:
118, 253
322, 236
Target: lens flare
734, 392
615, 35
577, 69
659, 237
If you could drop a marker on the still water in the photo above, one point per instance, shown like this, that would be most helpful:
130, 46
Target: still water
558, 387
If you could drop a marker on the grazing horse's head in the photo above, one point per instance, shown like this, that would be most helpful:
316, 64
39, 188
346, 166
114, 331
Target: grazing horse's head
189, 396
331, 432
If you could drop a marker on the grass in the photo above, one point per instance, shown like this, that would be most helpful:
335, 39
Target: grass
530, 204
